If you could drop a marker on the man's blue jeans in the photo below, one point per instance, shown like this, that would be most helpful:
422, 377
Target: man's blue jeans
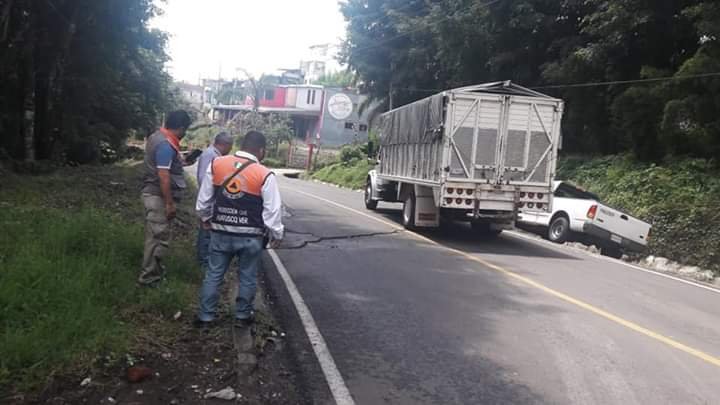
203, 247
223, 247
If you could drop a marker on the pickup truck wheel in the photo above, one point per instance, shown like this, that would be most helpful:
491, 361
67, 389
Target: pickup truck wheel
369, 202
611, 251
408, 214
559, 230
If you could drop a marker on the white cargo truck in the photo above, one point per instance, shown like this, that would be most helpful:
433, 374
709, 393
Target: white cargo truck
477, 153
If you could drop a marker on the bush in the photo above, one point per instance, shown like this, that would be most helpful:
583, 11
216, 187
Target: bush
108, 154
352, 152
35, 168
83, 152
325, 158
273, 163
678, 198
132, 152
350, 174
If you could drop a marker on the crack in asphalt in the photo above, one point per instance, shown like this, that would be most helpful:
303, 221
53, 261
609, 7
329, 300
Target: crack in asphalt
319, 239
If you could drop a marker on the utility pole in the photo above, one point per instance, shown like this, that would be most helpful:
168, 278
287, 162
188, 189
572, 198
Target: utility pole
390, 95
390, 90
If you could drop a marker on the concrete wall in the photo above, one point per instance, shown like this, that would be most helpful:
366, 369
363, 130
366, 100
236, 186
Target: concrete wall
291, 97
312, 103
333, 131
278, 99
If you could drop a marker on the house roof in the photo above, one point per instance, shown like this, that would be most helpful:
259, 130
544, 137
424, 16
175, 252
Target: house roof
261, 109
189, 87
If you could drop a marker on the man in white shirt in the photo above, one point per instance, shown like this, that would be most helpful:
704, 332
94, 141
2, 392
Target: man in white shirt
239, 201
221, 146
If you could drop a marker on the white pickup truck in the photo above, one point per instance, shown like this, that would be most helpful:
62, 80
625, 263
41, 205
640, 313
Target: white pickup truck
578, 214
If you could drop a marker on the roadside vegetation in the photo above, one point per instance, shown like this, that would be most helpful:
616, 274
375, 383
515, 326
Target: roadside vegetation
70, 252
276, 127
680, 199
350, 170
91, 74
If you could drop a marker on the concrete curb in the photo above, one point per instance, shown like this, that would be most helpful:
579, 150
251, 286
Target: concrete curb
246, 356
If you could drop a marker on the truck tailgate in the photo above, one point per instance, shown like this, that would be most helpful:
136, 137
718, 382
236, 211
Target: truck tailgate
621, 225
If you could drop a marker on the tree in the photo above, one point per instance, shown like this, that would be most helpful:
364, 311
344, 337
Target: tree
405, 50
79, 73
233, 93
276, 127
343, 79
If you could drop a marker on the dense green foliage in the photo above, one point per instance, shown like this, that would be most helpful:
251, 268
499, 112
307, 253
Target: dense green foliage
68, 264
349, 170
276, 127
346, 174
79, 74
680, 199
336, 79
403, 50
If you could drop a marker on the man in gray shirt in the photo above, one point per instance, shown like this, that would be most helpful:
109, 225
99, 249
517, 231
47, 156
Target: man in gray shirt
220, 147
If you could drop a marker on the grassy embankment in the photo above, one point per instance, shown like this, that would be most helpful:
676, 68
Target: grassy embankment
680, 199
70, 250
349, 170
351, 174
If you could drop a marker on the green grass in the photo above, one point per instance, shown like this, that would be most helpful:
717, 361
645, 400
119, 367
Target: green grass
70, 251
679, 198
350, 174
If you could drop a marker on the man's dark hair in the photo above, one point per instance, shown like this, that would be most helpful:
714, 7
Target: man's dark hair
223, 138
179, 119
254, 141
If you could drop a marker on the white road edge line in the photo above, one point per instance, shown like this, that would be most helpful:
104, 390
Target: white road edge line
334, 379
609, 259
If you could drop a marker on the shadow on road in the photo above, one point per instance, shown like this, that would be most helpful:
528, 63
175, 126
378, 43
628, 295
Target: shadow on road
458, 235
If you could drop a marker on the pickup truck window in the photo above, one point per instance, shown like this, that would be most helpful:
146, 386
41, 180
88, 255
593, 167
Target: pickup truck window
568, 191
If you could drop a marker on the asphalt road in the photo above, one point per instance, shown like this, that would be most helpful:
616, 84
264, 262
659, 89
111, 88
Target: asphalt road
454, 319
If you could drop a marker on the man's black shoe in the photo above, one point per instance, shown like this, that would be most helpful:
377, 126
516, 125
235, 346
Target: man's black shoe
244, 323
200, 324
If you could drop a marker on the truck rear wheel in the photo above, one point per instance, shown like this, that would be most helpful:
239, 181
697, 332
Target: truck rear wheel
408, 214
369, 202
559, 230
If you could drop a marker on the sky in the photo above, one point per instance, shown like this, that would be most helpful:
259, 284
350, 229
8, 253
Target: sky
208, 37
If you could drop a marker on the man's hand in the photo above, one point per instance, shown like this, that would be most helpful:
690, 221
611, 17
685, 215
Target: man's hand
275, 243
205, 225
170, 211
191, 157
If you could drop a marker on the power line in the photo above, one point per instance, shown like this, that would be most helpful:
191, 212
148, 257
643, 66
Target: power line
610, 83
384, 13
419, 28
589, 84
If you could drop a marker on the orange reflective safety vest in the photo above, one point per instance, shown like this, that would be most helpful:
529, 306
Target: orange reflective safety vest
238, 204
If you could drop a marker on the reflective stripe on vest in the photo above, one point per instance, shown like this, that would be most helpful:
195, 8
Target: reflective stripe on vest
239, 205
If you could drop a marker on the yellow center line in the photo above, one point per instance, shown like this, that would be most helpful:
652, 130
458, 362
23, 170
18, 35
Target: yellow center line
574, 301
